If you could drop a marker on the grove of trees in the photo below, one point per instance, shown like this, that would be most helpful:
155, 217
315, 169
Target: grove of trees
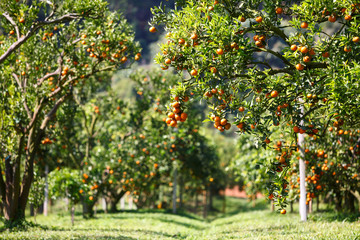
282, 74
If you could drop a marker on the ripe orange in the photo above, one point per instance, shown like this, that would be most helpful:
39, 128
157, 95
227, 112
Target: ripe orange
21, 20
183, 116
167, 61
283, 211
175, 104
259, 19
296, 129
181, 41
299, 67
356, 39
213, 70
304, 25
241, 109
347, 49
293, 47
173, 123
194, 36
220, 51
304, 50
279, 10
152, 29
193, 72
306, 59
348, 17
274, 93
223, 122
332, 18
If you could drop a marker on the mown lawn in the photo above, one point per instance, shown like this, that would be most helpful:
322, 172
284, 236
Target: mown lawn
240, 222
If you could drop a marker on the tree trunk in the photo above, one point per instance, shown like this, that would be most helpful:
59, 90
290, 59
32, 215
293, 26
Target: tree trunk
72, 215
253, 199
205, 204
338, 201
310, 206
88, 209
291, 206
272, 207
357, 196
104, 204
46, 199
115, 200
349, 202
302, 203
31, 210
122, 203
196, 202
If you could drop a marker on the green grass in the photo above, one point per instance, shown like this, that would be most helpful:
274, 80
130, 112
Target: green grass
240, 222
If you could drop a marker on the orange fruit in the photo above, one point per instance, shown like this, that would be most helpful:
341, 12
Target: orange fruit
220, 51
332, 18
299, 67
293, 47
279, 10
347, 49
306, 59
194, 72
274, 93
296, 129
304, 50
259, 19
152, 29
304, 25
348, 17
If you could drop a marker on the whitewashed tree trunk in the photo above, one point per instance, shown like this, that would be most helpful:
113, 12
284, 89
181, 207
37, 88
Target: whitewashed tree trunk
122, 203
104, 205
302, 205
130, 203
46, 193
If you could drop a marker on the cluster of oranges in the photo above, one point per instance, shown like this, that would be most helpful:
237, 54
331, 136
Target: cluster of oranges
300, 130
96, 110
221, 124
46, 141
176, 114
260, 40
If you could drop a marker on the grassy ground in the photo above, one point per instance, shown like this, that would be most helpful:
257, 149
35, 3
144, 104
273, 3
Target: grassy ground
240, 222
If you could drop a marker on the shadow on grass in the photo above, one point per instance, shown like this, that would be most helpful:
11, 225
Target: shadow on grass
104, 230
331, 216
237, 205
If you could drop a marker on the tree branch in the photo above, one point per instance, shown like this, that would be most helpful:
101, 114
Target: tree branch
55, 73
22, 88
37, 25
9, 18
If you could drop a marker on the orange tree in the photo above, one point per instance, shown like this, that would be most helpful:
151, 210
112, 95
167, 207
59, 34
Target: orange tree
49, 48
333, 163
228, 49
167, 148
